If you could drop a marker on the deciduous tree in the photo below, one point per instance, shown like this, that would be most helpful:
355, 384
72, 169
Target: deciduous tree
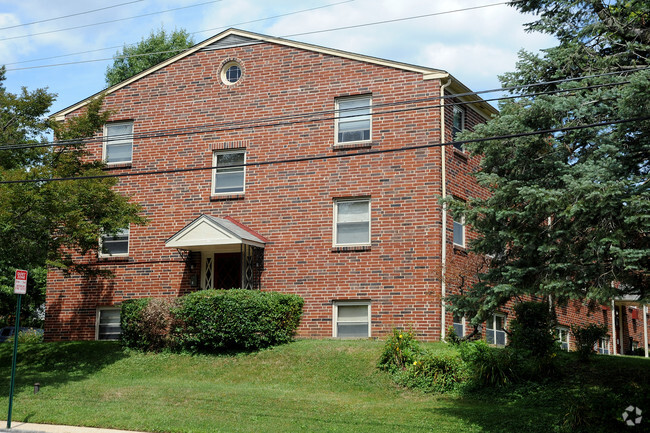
156, 48
45, 223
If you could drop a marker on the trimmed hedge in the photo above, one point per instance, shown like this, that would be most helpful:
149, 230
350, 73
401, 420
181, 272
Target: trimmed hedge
213, 321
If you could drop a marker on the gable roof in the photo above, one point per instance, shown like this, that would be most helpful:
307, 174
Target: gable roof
234, 37
207, 231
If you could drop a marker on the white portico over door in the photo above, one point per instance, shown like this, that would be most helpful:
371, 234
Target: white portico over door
232, 255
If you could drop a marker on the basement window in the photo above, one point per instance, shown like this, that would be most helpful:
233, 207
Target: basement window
108, 324
351, 319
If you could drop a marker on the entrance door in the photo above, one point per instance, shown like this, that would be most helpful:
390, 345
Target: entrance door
227, 271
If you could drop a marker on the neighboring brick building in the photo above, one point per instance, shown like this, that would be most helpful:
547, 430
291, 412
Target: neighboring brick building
338, 201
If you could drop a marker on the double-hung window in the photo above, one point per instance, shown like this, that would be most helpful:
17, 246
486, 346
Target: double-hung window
353, 119
116, 244
562, 333
108, 324
495, 330
458, 124
602, 346
459, 231
352, 222
118, 142
228, 174
459, 325
351, 319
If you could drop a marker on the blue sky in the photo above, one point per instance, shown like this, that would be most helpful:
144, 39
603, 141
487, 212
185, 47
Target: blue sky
473, 45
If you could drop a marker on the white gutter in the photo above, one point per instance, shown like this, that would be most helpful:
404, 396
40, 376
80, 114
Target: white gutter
613, 327
443, 254
645, 329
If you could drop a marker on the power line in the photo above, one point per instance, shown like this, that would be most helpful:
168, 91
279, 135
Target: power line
297, 34
68, 16
396, 20
287, 119
110, 21
332, 156
179, 50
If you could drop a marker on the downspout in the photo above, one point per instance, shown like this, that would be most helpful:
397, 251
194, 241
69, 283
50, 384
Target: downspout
443, 255
614, 327
645, 329
620, 330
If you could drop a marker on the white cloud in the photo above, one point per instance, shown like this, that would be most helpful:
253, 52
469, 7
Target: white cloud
474, 45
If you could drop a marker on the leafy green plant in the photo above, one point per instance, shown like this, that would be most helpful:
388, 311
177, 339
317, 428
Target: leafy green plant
586, 338
435, 373
532, 329
131, 323
146, 323
400, 350
213, 321
414, 367
488, 366
29, 336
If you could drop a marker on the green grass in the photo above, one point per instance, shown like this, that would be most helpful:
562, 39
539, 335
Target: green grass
311, 386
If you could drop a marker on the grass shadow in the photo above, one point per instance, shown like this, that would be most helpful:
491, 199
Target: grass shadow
55, 364
589, 397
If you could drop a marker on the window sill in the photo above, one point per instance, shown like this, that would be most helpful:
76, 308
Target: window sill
113, 258
351, 248
460, 154
460, 249
224, 197
118, 165
353, 145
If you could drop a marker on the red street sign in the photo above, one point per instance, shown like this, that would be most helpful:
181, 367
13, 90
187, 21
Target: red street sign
20, 283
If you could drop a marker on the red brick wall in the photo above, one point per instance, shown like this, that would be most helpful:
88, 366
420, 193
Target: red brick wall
290, 204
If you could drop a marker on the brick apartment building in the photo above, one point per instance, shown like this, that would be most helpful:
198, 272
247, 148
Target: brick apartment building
316, 173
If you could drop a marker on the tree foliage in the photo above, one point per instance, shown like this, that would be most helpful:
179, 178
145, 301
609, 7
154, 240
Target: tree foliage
569, 211
44, 223
156, 48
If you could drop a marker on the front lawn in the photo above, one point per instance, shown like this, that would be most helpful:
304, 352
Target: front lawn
309, 385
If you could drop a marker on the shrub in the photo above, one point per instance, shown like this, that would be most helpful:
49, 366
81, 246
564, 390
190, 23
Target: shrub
213, 321
586, 338
131, 323
401, 349
31, 335
451, 337
434, 373
489, 366
414, 367
531, 331
146, 323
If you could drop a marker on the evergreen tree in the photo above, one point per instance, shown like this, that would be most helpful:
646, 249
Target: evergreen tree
156, 48
569, 212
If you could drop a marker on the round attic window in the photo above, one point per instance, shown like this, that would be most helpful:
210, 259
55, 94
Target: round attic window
231, 73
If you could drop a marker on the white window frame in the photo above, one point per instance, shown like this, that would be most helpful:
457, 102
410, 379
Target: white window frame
602, 346
215, 170
107, 142
341, 117
461, 324
463, 234
127, 232
493, 323
335, 311
98, 319
335, 222
455, 130
559, 331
